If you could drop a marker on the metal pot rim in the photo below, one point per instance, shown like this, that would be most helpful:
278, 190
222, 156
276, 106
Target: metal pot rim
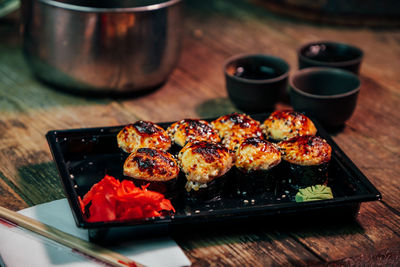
103, 10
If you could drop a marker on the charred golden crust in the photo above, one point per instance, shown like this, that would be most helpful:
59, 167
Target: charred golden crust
285, 124
255, 154
235, 128
235, 121
143, 134
306, 150
190, 130
151, 165
203, 161
209, 151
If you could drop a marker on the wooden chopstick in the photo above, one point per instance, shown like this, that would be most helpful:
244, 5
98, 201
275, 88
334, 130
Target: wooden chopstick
90, 249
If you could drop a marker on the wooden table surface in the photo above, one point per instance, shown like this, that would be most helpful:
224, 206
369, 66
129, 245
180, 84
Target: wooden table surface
216, 30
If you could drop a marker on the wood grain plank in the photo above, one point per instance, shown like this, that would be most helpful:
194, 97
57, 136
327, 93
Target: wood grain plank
9, 198
216, 30
383, 257
238, 247
367, 234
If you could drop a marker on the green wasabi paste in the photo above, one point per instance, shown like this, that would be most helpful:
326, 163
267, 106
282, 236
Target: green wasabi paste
312, 193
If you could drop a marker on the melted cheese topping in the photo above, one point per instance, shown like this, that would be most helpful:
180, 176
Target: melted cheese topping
233, 139
189, 130
143, 134
151, 165
306, 150
236, 122
235, 128
203, 161
282, 125
255, 154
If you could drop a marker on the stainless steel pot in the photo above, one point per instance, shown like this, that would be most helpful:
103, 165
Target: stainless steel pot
92, 46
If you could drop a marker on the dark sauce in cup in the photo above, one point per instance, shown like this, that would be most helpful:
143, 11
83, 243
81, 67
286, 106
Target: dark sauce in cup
256, 72
330, 53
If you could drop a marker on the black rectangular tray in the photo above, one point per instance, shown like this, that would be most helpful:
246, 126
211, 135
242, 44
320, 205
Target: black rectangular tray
84, 156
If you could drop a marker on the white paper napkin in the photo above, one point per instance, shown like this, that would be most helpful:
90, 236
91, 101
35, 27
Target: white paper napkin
20, 247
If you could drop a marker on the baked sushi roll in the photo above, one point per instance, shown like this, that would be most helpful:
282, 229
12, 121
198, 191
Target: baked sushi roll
143, 134
308, 158
190, 130
235, 121
154, 168
233, 139
204, 165
285, 124
255, 158
235, 128
255, 154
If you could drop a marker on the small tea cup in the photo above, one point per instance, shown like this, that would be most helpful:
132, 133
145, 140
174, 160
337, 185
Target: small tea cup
330, 54
327, 94
256, 82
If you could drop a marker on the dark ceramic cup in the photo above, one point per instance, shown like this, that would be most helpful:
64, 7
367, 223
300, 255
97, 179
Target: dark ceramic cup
255, 82
326, 94
330, 54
